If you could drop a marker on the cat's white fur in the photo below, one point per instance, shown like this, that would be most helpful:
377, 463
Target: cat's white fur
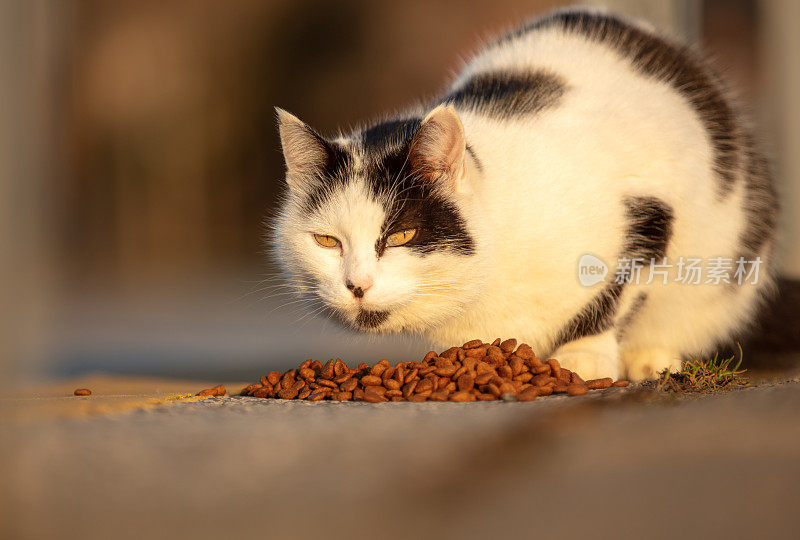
549, 190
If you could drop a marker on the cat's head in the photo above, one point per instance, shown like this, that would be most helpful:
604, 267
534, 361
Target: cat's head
375, 227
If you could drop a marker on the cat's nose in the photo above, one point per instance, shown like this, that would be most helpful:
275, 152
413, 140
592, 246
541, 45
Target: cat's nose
358, 289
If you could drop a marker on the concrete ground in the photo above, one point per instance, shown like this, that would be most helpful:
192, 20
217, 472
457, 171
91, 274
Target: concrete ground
140, 459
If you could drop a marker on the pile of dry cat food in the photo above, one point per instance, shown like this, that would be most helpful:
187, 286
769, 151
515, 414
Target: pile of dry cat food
476, 371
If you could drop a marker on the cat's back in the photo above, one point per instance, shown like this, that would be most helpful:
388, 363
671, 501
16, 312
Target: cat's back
605, 97
600, 77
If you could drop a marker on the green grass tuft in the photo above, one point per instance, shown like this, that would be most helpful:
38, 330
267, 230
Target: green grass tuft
698, 375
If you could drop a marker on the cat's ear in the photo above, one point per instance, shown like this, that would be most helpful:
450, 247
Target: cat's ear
438, 148
305, 152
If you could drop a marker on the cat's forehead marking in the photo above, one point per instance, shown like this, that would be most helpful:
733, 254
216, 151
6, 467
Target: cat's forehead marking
375, 183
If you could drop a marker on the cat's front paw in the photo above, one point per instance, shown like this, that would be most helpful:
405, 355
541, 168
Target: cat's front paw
643, 364
588, 364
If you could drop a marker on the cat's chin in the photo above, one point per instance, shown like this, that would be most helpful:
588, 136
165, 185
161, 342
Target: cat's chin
370, 320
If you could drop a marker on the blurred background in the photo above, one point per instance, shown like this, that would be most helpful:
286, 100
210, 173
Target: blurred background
140, 159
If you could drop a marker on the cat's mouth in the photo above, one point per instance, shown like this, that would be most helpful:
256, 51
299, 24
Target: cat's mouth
370, 319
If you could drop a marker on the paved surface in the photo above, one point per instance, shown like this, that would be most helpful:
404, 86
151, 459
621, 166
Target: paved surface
613, 463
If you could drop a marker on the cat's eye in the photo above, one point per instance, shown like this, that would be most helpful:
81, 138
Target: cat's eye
400, 238
327, 241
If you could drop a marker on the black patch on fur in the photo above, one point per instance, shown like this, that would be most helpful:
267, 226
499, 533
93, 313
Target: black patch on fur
507, 94
371, 319
390, 134
648, 234
416, 203
625, 320
337, 168
649, 228
760, 210
677, 65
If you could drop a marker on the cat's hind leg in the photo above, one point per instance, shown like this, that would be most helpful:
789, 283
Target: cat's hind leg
591, 357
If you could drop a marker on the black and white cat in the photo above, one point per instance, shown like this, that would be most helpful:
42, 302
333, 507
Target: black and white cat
579, 137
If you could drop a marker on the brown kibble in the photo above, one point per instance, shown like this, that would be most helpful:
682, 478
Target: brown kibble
443, 363
524, 351
494, 356
483, 367
466, 382
408, 388
555, 368
524, 377
505, 372
516, 365
446, 371
543, 380
484, 378
477, 371
263, 392
288, 393
375, 394
528, 394
477, 352
378, 390
377, 370
250, 388
327, 370
343, 377
371, 380
411, 375
425, 385
349, 385
508, 345
621, 384
577, 389
87, 392
339, 367
507, 388
599, 384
